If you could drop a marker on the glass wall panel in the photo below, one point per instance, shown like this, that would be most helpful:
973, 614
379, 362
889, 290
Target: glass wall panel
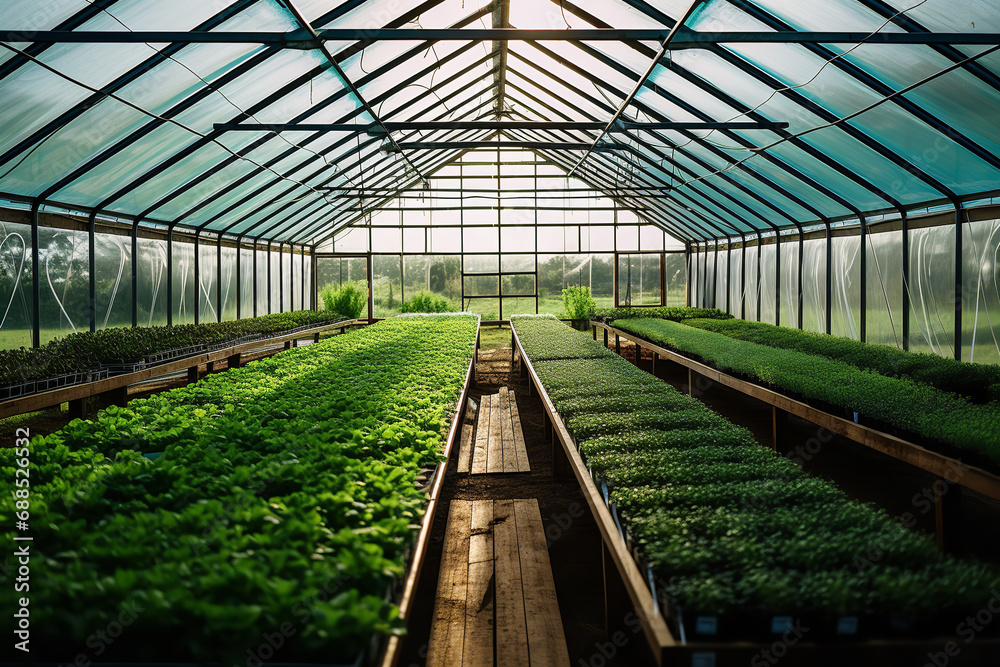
15, 285
517, 306
307, 290
752, 284
480, 239
335, 271
229, 294
768, 282
152, 284
790, 283
387, 285
814, 285
932, 290
556, 272
517, 285
488, 309
64, 274
208, 307
287, 280
639, 279
981, 292
440, 274
482, 285
884, 289
183, 299
296, 281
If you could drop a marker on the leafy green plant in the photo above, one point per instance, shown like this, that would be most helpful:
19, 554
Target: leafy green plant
916, 407
726, 525
978, 382
347, 300
426, 301
672, 313
578, 302
285, 492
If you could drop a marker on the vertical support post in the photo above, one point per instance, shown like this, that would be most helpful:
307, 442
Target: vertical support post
743, 278
594, 327
371, 297
193, 374
255, 274
135, 273
715, 276
947, 503
36, 293
777, 278
906, 278
828, 325
729, 271
92, 286
802, 248
958, 280
605, 338
239, 277
197, 279
760, 251
688, 258
663, 283
779, 429
270, 289
618, 344
656, 359
863, 256
170, 276
312, 276
690, 382
218, 279
281, 277
614, 286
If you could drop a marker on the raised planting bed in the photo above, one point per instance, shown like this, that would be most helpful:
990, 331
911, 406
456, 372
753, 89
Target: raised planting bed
123, 350
940, 420
286, 500
733, 543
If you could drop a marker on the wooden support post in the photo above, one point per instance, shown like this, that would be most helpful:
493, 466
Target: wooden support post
605, 338
594, 327
656, 358
117, 396
235, 360
79, 408
209, 367
193, 374
779, 429
288, 344
947, 505
316, 336
618, 344
690, 382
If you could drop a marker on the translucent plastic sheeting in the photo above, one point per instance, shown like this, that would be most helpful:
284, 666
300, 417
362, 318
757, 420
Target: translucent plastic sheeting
752, 292
735, 278
151, 294
721, 278
790, 283
228, 284
932, 290
113, 270
247, 278
884, 289
64, 296
307, 294
208, 280
274, 281
981, 291
845, 281
814, 285
696, 286
708, 273
183, 299
263, 286
15, 285
296, 281
768, 282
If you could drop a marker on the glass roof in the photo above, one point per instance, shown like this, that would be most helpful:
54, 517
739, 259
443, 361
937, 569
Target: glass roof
132, 127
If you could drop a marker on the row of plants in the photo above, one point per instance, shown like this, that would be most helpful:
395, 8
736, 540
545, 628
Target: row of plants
732, 529
978, 382
83, 351
672, 313
282, 504
941, 419
555, 343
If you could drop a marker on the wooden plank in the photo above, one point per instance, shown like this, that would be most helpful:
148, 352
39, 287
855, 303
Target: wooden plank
507, 433
519, 447
479, 607
447, 640
546, 638
482, 436
465, 449
511, 628
494, 453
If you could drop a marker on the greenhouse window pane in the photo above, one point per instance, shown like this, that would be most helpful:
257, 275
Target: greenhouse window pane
981, 291
151, 297
932, 290
64, 297
884, 289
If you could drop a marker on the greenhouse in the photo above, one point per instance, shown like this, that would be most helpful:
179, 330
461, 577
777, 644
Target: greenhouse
626, 333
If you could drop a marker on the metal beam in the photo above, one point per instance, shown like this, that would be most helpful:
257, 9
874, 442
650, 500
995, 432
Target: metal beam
528, 145
313, 39
374, 129
677, 27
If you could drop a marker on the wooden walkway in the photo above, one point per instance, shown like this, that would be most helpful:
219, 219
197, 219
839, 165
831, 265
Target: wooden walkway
496, 598
498, 446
